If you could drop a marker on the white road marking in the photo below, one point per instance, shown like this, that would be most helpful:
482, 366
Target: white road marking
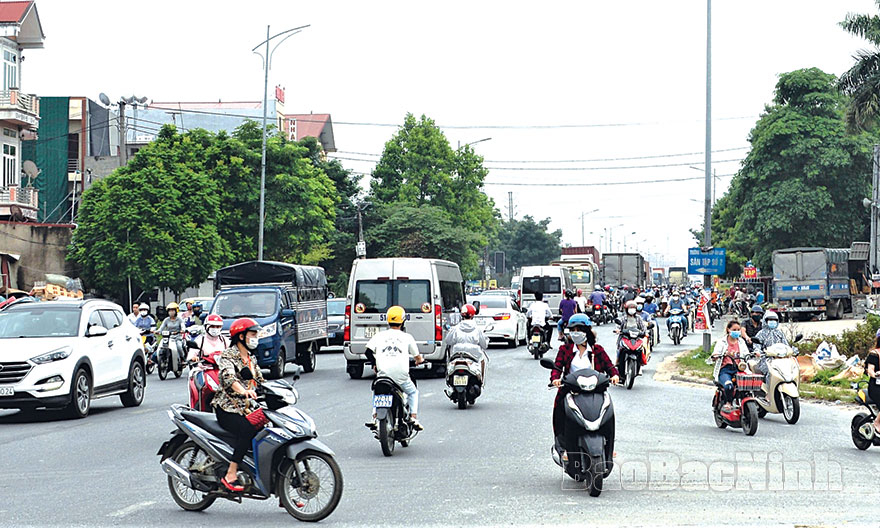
331, 433
128, 510
428, 395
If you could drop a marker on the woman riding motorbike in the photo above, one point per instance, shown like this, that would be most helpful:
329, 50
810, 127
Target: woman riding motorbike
726, 353
211, 341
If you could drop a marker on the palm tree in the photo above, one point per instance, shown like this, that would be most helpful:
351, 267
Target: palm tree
862, 82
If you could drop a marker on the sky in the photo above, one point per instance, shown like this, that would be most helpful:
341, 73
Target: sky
548, 82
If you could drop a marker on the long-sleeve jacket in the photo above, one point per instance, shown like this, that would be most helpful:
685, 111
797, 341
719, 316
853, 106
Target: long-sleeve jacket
598, 357
466, 332
721, 349
231, 365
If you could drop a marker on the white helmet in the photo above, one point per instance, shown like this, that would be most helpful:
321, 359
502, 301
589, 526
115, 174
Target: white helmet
144, 306
770, 314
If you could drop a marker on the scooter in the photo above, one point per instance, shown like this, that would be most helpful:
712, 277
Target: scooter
862, 427
204, 380
393, 422
287, 460
676, 324
586, 449
171, 355
600, 314
744, 413
781, 392
538, 341
148, 341
635, 353
465, 374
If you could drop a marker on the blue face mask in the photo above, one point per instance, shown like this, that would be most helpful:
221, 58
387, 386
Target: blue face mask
772, 324
735, 334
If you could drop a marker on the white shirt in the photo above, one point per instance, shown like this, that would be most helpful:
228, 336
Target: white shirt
539, 312
582, 303
393, 349
579, 362
133, 317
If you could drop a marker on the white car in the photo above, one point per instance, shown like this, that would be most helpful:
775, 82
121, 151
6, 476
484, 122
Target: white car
63, 354
509, 324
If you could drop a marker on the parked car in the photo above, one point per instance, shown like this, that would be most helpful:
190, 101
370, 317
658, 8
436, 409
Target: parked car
335, 323
64, 354
508, 322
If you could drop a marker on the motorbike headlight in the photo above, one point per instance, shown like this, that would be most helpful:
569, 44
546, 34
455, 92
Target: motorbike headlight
55, 355
268, 331
587, 383
290, 397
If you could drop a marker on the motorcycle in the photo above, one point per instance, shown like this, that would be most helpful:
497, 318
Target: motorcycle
862, 426
635, 353
204, 381
676, 324
599, 314
287, 460
171, 355
586, 450
781, 390
744, 413
393, 422
538, 342
148, 342
465, 374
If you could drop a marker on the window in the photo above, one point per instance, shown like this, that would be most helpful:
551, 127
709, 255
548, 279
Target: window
10, 165
379, 295
37, 321
412, 294
452, 295
95, 319
494, 301
336, 307
545, 285
245, 304
10, 133
111, 319
10, 70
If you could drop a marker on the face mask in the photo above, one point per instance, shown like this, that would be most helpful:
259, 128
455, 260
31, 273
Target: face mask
213, 332
578, 338
735, 334
756, 318
252, 343
640, 307
631, 311
675, 297
144, 313
772, 324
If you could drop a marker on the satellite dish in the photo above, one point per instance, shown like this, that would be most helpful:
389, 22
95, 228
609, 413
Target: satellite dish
142, 100
31, 170
104, 99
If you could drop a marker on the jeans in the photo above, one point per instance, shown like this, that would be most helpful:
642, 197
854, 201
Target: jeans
412, 396
561, 325
725, 378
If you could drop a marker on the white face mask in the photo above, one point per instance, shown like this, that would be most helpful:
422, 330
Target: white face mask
578, 337
213, 331
144, 313
252, 343
631, 311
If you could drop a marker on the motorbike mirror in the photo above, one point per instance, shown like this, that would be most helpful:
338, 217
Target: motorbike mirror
548, 363
756, 341
191, 344
489, 328
246, 374
617, 320
798, 337
476, 306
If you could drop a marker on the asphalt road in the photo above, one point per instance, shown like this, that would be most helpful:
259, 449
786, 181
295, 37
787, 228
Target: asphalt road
487, 465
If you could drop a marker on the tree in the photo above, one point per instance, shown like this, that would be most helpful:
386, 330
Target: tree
152, 220
862, 81
528, 243
804, 179
419, 168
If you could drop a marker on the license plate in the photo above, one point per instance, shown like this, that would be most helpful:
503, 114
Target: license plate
459, 380
536, 339
482, 322
6, 391
382, 400
370, 331
331, 335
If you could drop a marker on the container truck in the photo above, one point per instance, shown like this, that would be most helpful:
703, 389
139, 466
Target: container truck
623, 268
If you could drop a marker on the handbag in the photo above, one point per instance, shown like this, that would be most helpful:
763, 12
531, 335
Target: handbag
258, 418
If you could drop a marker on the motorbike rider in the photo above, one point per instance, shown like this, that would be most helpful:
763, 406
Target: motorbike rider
539, 314
647, 316
579, 351
232, 403
872, 364
173, 323
145, 323
211, 341
628, 295
631, 321
753, 324
598, 297
389, 352
726, 352
467, 332
196, 316
769, 335
567, 308
677, 303
581, 301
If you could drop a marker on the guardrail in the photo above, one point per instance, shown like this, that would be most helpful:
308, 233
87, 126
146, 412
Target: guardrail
28, 103
27, 196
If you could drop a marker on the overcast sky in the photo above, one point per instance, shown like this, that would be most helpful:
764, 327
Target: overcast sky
475, 64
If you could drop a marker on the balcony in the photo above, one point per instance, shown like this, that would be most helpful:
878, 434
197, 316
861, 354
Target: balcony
25, 199
19, 108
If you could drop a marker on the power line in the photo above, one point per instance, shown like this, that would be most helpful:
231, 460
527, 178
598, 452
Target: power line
601, 184
335, 156
629, 167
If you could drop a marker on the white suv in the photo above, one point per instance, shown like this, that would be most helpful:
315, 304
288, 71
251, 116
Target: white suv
63, 354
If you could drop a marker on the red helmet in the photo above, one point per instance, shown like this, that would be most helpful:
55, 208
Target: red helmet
468, 311
214, 320
580, 292
243, 326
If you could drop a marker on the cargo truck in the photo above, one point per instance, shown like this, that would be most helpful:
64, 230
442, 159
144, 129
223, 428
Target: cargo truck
623, 268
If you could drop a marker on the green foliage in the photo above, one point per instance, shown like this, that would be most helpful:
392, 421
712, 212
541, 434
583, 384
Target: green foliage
804, 170
857, 341
862, 81
528, 243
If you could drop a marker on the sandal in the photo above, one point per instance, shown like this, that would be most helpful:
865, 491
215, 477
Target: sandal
233, 486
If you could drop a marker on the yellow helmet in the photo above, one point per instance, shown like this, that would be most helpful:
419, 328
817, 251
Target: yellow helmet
395, 315
172, 306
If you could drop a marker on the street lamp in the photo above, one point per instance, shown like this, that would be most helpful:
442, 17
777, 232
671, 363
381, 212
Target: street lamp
624, 240
267, 64
472, 142
582, 224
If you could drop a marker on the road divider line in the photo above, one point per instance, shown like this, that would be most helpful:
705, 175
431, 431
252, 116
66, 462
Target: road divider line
128, 510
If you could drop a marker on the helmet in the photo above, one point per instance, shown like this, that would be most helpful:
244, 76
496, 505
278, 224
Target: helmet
649, 295
243, 326
144, 306
395, 315
579, 320
757, 309
214, 320
626, 287
771, 315
630, 304
639, 300
607, 288
197, 304
580, 292
467, 312
173, 306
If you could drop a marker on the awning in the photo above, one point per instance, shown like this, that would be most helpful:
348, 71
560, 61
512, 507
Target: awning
13, 256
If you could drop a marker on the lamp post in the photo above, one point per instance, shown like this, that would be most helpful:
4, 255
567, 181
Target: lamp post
267, 64
583, 242
473, 142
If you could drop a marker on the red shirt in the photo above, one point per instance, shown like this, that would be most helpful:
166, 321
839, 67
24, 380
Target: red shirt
599, 358
728, 360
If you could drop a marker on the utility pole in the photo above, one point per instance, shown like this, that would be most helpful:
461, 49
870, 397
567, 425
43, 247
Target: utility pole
707, 222
263, 155
361, 242
123, 148
510, 206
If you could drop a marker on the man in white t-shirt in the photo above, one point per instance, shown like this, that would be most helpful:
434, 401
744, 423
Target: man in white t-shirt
539, 313
389, 352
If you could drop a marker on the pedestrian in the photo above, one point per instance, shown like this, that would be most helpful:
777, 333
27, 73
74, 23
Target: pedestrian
873, 366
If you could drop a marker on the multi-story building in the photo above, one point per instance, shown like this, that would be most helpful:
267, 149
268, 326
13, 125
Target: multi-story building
20, 30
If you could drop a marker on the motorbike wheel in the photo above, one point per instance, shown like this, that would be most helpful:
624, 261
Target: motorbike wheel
319, 491
179, 371
187, 455
597, 475
791, 408
150, 367
630, 373
162, 369
719, 421
462, 400
858, 421
386, 436
676, 337
749, 418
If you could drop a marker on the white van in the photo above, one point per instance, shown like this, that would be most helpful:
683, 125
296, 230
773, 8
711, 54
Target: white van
431, 292
552, 281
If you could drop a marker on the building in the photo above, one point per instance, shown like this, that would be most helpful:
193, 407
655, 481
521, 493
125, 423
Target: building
20, 29
298, 126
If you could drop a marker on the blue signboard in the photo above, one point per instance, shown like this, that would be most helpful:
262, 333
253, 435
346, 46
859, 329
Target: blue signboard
707, 262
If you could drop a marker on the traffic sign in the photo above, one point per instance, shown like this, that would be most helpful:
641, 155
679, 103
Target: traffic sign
711, 262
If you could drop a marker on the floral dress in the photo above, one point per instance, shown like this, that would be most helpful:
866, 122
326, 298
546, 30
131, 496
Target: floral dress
231, 365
